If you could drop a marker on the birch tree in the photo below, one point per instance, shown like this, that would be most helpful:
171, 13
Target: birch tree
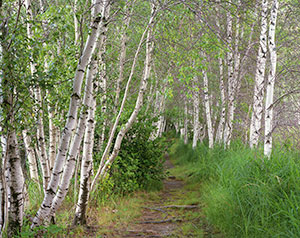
258, 97
271, 81
207, 110
33, 169
139, 102
89, 49
220, 129
39, 111
196, 107
229, 73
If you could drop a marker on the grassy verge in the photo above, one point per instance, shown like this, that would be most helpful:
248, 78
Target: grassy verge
242, 193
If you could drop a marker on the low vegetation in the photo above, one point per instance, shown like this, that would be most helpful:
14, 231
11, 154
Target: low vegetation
244, 194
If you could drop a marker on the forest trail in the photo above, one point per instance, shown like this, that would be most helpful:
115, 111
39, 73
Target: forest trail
170, 214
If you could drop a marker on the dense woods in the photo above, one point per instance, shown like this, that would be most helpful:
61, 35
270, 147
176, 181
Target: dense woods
90, 88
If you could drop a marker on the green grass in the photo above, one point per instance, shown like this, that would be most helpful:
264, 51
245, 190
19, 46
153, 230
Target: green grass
243, 194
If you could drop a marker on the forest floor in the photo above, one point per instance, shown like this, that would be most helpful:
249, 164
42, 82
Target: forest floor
174, 211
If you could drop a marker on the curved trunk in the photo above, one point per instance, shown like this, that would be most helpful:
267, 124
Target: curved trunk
88, 51
112, 133
139, 102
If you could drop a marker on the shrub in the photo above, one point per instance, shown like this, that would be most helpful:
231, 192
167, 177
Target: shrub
139, 164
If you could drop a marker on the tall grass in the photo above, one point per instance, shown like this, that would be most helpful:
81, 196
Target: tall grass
244, 194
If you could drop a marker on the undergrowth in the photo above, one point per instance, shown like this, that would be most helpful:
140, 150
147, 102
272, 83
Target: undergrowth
243, 193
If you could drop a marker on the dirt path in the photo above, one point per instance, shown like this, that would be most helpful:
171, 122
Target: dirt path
174, 211
166, 216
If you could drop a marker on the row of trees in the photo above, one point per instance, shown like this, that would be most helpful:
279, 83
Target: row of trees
75, 76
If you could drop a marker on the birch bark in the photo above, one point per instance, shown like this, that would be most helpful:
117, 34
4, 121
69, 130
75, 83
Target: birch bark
233, 84
87, 162
16, 186
72, 115
39, 110
258, 97
109, 143
124, 39
271, 82
52, 137
14, 174
230, 72
185, 120
207, 110
220, 130
196, 105
89, 107
31, 157
139, 102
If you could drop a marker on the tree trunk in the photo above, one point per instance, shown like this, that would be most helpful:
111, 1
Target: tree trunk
124, 39
52, 137
39, 110
229, 70
207, 110
31, 157
271, 82
220, 130
233, 75
257, 111
139, 102
15, 184
196, 105
89, 107
185, 120
72, 115
86, 163
112, 133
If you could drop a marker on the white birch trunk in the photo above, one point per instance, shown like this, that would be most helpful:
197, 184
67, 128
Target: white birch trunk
185, 121
83, 121
139, 102
41, 139
233, 85
271, 82
16, 185
258, 97
76, 24
39, 111
122, 58
71, 120
52, 137
161, 121
220, 130
112, 133
230, 73
86, 164
31, 157
207, 110
196, 105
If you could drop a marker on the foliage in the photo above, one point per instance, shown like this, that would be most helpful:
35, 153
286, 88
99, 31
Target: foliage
140, 162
